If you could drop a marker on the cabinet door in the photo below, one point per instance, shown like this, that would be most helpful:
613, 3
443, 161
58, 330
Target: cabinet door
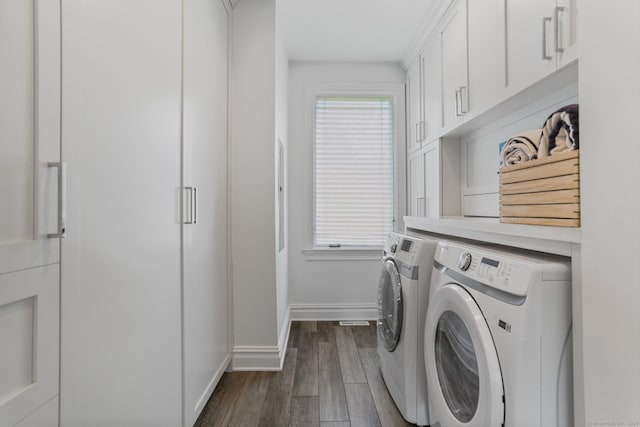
413, 105
529, 43
415, 189
431, 93
29, 208
567, 22
205, 310
431, 167
483, 25
29, 342
453, 38
121, 355
29, 133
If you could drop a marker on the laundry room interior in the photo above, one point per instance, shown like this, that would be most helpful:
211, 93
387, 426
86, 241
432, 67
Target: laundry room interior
323, 213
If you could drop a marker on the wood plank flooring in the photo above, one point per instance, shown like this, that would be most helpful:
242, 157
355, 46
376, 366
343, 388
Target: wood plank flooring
331, 378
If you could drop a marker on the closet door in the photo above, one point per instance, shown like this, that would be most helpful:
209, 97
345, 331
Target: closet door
206, 339
121, 310
30, 175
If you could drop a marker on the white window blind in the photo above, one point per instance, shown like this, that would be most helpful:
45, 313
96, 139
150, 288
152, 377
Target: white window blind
354, 177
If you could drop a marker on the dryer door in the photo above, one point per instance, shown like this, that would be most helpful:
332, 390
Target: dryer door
389, 306
463, 373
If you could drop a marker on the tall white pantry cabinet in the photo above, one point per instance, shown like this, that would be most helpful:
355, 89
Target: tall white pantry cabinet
113, 131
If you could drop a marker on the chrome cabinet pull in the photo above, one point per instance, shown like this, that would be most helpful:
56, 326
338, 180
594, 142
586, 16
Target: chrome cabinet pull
462, 110
189, 213
545, 57
420, 205
556, 29
194, 208
62, 200
458, 114
417, 132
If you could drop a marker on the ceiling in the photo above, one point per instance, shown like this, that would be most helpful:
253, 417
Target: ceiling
352, 30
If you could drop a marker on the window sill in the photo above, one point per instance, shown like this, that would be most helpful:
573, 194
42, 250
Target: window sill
343, 254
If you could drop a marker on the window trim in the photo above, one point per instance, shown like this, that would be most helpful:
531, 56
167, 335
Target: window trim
394, 91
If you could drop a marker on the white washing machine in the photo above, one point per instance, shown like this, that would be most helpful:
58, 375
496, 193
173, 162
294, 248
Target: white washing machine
403, 294
498, 339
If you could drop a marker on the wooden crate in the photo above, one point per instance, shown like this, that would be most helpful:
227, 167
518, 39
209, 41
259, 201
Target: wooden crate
542, 191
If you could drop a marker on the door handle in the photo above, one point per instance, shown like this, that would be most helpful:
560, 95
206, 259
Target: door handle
545, 57
462, 110
194, 208
62, 200
458, 114
417, 132
189, 205
556, 29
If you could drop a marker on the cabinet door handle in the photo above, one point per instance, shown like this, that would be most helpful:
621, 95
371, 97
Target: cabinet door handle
556, 29
417, 132
194, 208
189, 213
62, 200
462, 110
419, 205
458, 114
545, 57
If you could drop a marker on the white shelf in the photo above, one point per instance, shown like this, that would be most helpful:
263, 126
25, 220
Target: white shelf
554, 240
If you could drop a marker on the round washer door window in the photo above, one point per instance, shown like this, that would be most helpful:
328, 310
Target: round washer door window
389, 306
464, 379
457, 366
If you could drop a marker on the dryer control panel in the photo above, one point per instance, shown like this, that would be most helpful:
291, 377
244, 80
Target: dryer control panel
491, 269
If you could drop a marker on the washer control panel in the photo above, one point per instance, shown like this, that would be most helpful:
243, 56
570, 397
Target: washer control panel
491, 269
464, 261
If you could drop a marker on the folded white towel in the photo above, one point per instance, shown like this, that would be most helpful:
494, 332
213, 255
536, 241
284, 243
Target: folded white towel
522, 147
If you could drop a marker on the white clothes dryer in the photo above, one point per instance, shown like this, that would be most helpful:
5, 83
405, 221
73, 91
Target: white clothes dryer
403, 294
498, 338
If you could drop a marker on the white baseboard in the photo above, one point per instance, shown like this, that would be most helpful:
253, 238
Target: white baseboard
263, 358
204, 398
271, 358
333, 311
256, 358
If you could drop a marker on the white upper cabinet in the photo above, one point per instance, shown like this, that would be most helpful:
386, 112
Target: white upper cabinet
414, 105
566, 15
455, 88
431, 89
483, 47
539, 37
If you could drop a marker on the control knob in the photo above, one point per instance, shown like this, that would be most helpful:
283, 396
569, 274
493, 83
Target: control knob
464, 261
393, 248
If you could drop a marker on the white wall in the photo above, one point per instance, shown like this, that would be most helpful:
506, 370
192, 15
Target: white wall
609, 298
253, 219
325, 288
282, 101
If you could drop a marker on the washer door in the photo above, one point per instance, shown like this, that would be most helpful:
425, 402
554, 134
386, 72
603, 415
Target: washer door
389, 306
463, 373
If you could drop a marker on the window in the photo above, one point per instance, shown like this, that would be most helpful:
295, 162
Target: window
354, 171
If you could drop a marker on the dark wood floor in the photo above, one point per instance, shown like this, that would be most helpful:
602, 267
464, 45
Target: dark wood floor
331, 378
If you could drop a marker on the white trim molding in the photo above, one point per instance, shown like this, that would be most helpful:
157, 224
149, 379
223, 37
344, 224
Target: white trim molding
342, 254
333, 311
256, 358
263, 358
